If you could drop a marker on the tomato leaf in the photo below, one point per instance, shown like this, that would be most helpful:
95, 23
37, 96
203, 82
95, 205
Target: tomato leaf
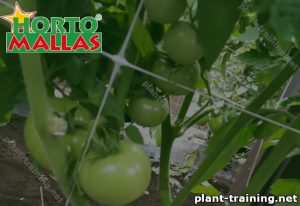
10, 86
142, 39
291, 101
10, 60
285, 18
286, 187
65, 8
216, 20
259, 60
206, 189
140, 36
241, 139
282, 16
223, 65
273, 161
265, 130
134, 134
75, 71
114, 109
95, 93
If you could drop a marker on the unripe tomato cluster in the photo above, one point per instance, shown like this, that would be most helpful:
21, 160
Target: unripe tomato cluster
182, 71
181, 44
104, 179
181, 41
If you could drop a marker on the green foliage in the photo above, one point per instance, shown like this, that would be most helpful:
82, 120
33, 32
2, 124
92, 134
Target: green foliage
282, 16
240, 139
214, 30
242, 62
228, 139
65, 8
142, 39
268, 167
140, 36
286, 187
206, 189
258, 59
134, 134
11, 86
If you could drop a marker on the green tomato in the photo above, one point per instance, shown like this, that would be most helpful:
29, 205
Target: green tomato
148, 112
75, 142
83, 117
187, 76
165, 11
181, 43
216, 123
117, 179
228, 115
203, 121
62, 106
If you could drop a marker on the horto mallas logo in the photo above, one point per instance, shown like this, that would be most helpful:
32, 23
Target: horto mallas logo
30, 34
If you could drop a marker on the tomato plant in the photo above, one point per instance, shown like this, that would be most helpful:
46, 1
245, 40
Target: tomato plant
187, 75
148, 112
165, 11
182, 44
119, 178
81, 141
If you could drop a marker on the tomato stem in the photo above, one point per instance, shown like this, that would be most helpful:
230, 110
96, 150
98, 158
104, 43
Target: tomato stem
196, 117
38, 101
206, 84
167, 140
184, 108
127, 75
124, 84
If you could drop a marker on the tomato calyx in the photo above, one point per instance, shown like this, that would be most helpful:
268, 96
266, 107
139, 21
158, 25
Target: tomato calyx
57, 126
68, 125
106, 142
